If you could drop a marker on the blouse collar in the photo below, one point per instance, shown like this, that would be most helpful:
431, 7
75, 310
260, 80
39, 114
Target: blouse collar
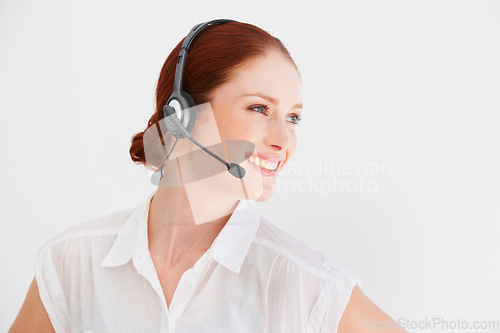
229, 248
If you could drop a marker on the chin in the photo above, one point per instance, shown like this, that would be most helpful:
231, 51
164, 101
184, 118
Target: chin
264, 195
265, 191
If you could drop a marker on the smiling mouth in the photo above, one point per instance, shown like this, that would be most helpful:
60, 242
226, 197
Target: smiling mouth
263, 163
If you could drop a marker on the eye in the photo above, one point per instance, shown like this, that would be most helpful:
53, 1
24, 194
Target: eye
263, 107
296, 119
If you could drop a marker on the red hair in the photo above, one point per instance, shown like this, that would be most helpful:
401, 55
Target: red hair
216, 52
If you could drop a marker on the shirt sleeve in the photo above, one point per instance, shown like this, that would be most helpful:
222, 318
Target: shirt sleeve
334, 297
50, 288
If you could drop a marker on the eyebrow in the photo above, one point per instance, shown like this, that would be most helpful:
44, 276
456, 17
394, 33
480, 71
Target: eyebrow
272, 99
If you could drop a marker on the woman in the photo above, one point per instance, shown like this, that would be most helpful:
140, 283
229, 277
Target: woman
196, 256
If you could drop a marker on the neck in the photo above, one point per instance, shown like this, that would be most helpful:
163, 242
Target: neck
181, 226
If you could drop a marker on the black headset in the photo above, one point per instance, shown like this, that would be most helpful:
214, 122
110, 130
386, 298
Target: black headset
180, 102
180, 110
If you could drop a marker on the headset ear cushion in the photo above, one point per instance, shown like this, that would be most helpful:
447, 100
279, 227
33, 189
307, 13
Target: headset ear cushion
187, 114
189, 109
168, 110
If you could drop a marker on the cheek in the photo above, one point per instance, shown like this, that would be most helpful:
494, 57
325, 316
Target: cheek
293, 143
234, 126
290, 150
239, 132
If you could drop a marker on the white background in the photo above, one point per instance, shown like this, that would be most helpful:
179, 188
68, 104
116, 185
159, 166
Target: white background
413, 85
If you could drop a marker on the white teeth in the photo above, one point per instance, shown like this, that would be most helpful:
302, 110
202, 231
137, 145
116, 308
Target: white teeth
271, 166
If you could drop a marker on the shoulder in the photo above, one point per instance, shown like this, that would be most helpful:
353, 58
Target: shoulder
291, 248
324, 284
297, 252
80, 239
105, 225
65, 259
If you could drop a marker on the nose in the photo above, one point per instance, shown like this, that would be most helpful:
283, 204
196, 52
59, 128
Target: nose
278, 135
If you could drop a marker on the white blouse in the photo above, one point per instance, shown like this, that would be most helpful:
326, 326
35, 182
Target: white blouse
98, 276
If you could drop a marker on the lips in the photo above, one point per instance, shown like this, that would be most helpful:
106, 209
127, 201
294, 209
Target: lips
263, 171
266, 156
271, 158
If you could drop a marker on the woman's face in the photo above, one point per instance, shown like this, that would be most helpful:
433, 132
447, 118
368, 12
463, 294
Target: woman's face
261, 104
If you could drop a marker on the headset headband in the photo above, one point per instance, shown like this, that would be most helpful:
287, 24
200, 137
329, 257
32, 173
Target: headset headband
181, 59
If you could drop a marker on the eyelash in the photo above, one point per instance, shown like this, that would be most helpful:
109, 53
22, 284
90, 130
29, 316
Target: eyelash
266, 108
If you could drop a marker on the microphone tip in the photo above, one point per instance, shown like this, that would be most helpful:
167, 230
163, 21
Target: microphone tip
236, 170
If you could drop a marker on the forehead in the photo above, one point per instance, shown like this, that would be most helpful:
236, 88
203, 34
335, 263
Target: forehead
271, 74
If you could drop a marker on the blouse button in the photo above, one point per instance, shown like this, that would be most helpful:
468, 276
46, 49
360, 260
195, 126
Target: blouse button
188, 284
